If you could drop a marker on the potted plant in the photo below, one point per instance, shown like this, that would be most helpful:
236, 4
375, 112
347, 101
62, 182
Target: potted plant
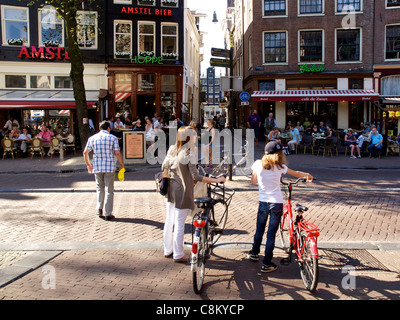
15, 42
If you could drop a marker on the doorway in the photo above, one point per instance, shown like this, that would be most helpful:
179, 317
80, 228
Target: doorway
146, 105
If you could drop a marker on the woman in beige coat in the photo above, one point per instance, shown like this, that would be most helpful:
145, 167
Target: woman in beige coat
180, 166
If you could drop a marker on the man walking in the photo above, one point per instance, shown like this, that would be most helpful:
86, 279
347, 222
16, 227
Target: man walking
254, 122
105, 147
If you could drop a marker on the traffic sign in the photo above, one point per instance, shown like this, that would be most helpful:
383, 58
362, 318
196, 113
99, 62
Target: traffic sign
220, 63
244, 96
220, 52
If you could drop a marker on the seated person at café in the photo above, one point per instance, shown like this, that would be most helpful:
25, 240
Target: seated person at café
314, 131
330, 132
351, 141
26, 139
14, 133
295, 136
274, 135
322, 128
138, 125
376, 143
45, 134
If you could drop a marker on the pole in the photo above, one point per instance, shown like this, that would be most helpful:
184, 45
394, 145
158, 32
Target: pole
231, 108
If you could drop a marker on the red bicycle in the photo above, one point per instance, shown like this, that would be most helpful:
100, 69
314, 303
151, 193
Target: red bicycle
300, 236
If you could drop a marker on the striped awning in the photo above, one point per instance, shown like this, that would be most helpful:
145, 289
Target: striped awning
390, 99
316, 95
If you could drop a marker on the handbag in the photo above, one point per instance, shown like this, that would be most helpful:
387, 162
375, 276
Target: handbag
162, 183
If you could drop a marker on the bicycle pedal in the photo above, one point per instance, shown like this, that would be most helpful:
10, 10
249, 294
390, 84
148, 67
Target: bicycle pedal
218, 231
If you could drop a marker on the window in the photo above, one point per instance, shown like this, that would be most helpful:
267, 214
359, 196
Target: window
168, 83
169, 40
393, 4
392, 42
390, 85
15, 81
310, 6
311, 44
340, 5
15, 25
40, 82
122, 1
62, 82
146, 82
275, 47
123, 39
146, 2
169, 3
274, 8
147, 39
87, 29
51, 29
348, 44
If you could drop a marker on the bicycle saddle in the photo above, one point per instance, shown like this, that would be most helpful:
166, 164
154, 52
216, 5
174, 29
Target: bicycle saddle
300, 208
203, 200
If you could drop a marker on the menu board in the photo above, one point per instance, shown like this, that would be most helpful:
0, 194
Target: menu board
134, 146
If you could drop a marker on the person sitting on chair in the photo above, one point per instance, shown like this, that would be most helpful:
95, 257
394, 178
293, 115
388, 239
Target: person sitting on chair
376, 143
350, 141
295, 135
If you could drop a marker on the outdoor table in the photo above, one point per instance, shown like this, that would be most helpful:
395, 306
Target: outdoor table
285, 138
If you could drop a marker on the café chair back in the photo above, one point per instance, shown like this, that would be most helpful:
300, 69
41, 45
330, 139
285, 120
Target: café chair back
8, 147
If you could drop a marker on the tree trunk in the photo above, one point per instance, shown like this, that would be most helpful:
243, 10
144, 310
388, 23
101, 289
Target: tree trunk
76, 75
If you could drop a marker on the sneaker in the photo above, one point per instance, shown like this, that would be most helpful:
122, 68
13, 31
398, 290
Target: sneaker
252, 256
353, 157
359, 157
269, 267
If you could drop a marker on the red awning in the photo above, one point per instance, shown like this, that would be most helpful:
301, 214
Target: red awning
316, 95
43, 99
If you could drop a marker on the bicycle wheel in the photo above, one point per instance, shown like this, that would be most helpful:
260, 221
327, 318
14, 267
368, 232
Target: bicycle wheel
284, 234
309, 269
220, 214
198, 275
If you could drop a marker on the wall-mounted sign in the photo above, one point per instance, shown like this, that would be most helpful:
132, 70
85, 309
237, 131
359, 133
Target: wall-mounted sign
309, 69
220, 52
48, 53
223, 63
147, 11
147, 60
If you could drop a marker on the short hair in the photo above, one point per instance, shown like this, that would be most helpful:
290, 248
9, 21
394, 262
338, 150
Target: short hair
105, 125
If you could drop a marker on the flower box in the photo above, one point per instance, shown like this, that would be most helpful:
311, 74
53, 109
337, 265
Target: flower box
51, 43
169, 3
15, 42
171, 56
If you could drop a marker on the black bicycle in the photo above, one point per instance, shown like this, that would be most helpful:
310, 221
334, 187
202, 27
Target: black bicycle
207, 227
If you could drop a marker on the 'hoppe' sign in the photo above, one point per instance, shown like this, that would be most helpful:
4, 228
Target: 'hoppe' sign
47, 53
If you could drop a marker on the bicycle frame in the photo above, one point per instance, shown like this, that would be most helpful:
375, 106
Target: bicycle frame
302, 226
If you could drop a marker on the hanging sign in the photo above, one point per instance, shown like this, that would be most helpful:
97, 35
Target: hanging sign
309, 69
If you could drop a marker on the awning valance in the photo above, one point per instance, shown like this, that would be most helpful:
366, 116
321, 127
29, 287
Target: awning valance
390, 99
316, 95
43, 99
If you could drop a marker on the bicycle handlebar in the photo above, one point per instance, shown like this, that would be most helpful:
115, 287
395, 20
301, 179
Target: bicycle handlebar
302, 179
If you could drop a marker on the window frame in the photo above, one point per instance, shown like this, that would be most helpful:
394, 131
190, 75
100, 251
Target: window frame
274, 16
390, 25
286, 48
336, 47
322, 13
176, 25
40, 40
130, 22
95, 46
4, 29
322, 45
167, 6
144, 22
391, 7
145, 4
345, 13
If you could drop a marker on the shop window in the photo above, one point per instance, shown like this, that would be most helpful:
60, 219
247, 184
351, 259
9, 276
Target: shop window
393, 42
266, 85
87, 29
312, 112
356, 83
356, 113
40, 82
393, 3
123, 39
33, 118
274, 8
51, 28
169, 3
275, 47
169, 40
62, 82
168, 105
123, 92
390, 85
353, 4
146, 82
311, 44
147, 39
168, 83
310, 6
15, 81
348, 43
15, 24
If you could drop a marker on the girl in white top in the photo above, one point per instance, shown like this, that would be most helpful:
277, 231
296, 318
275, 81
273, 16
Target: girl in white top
267, 174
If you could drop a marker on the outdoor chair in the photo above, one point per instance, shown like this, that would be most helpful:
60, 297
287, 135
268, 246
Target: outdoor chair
335, 145
307, 142
8, 147
326, 147
70, 143
36, 147
55, 146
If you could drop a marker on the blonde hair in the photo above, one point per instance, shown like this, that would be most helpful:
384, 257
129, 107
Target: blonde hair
269, 161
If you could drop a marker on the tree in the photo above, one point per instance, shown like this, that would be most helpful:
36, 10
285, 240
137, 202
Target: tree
67, 10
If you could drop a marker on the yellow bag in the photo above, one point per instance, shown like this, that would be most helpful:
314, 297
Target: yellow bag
121, 175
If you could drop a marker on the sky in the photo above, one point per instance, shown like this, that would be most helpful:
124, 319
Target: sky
214, 37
